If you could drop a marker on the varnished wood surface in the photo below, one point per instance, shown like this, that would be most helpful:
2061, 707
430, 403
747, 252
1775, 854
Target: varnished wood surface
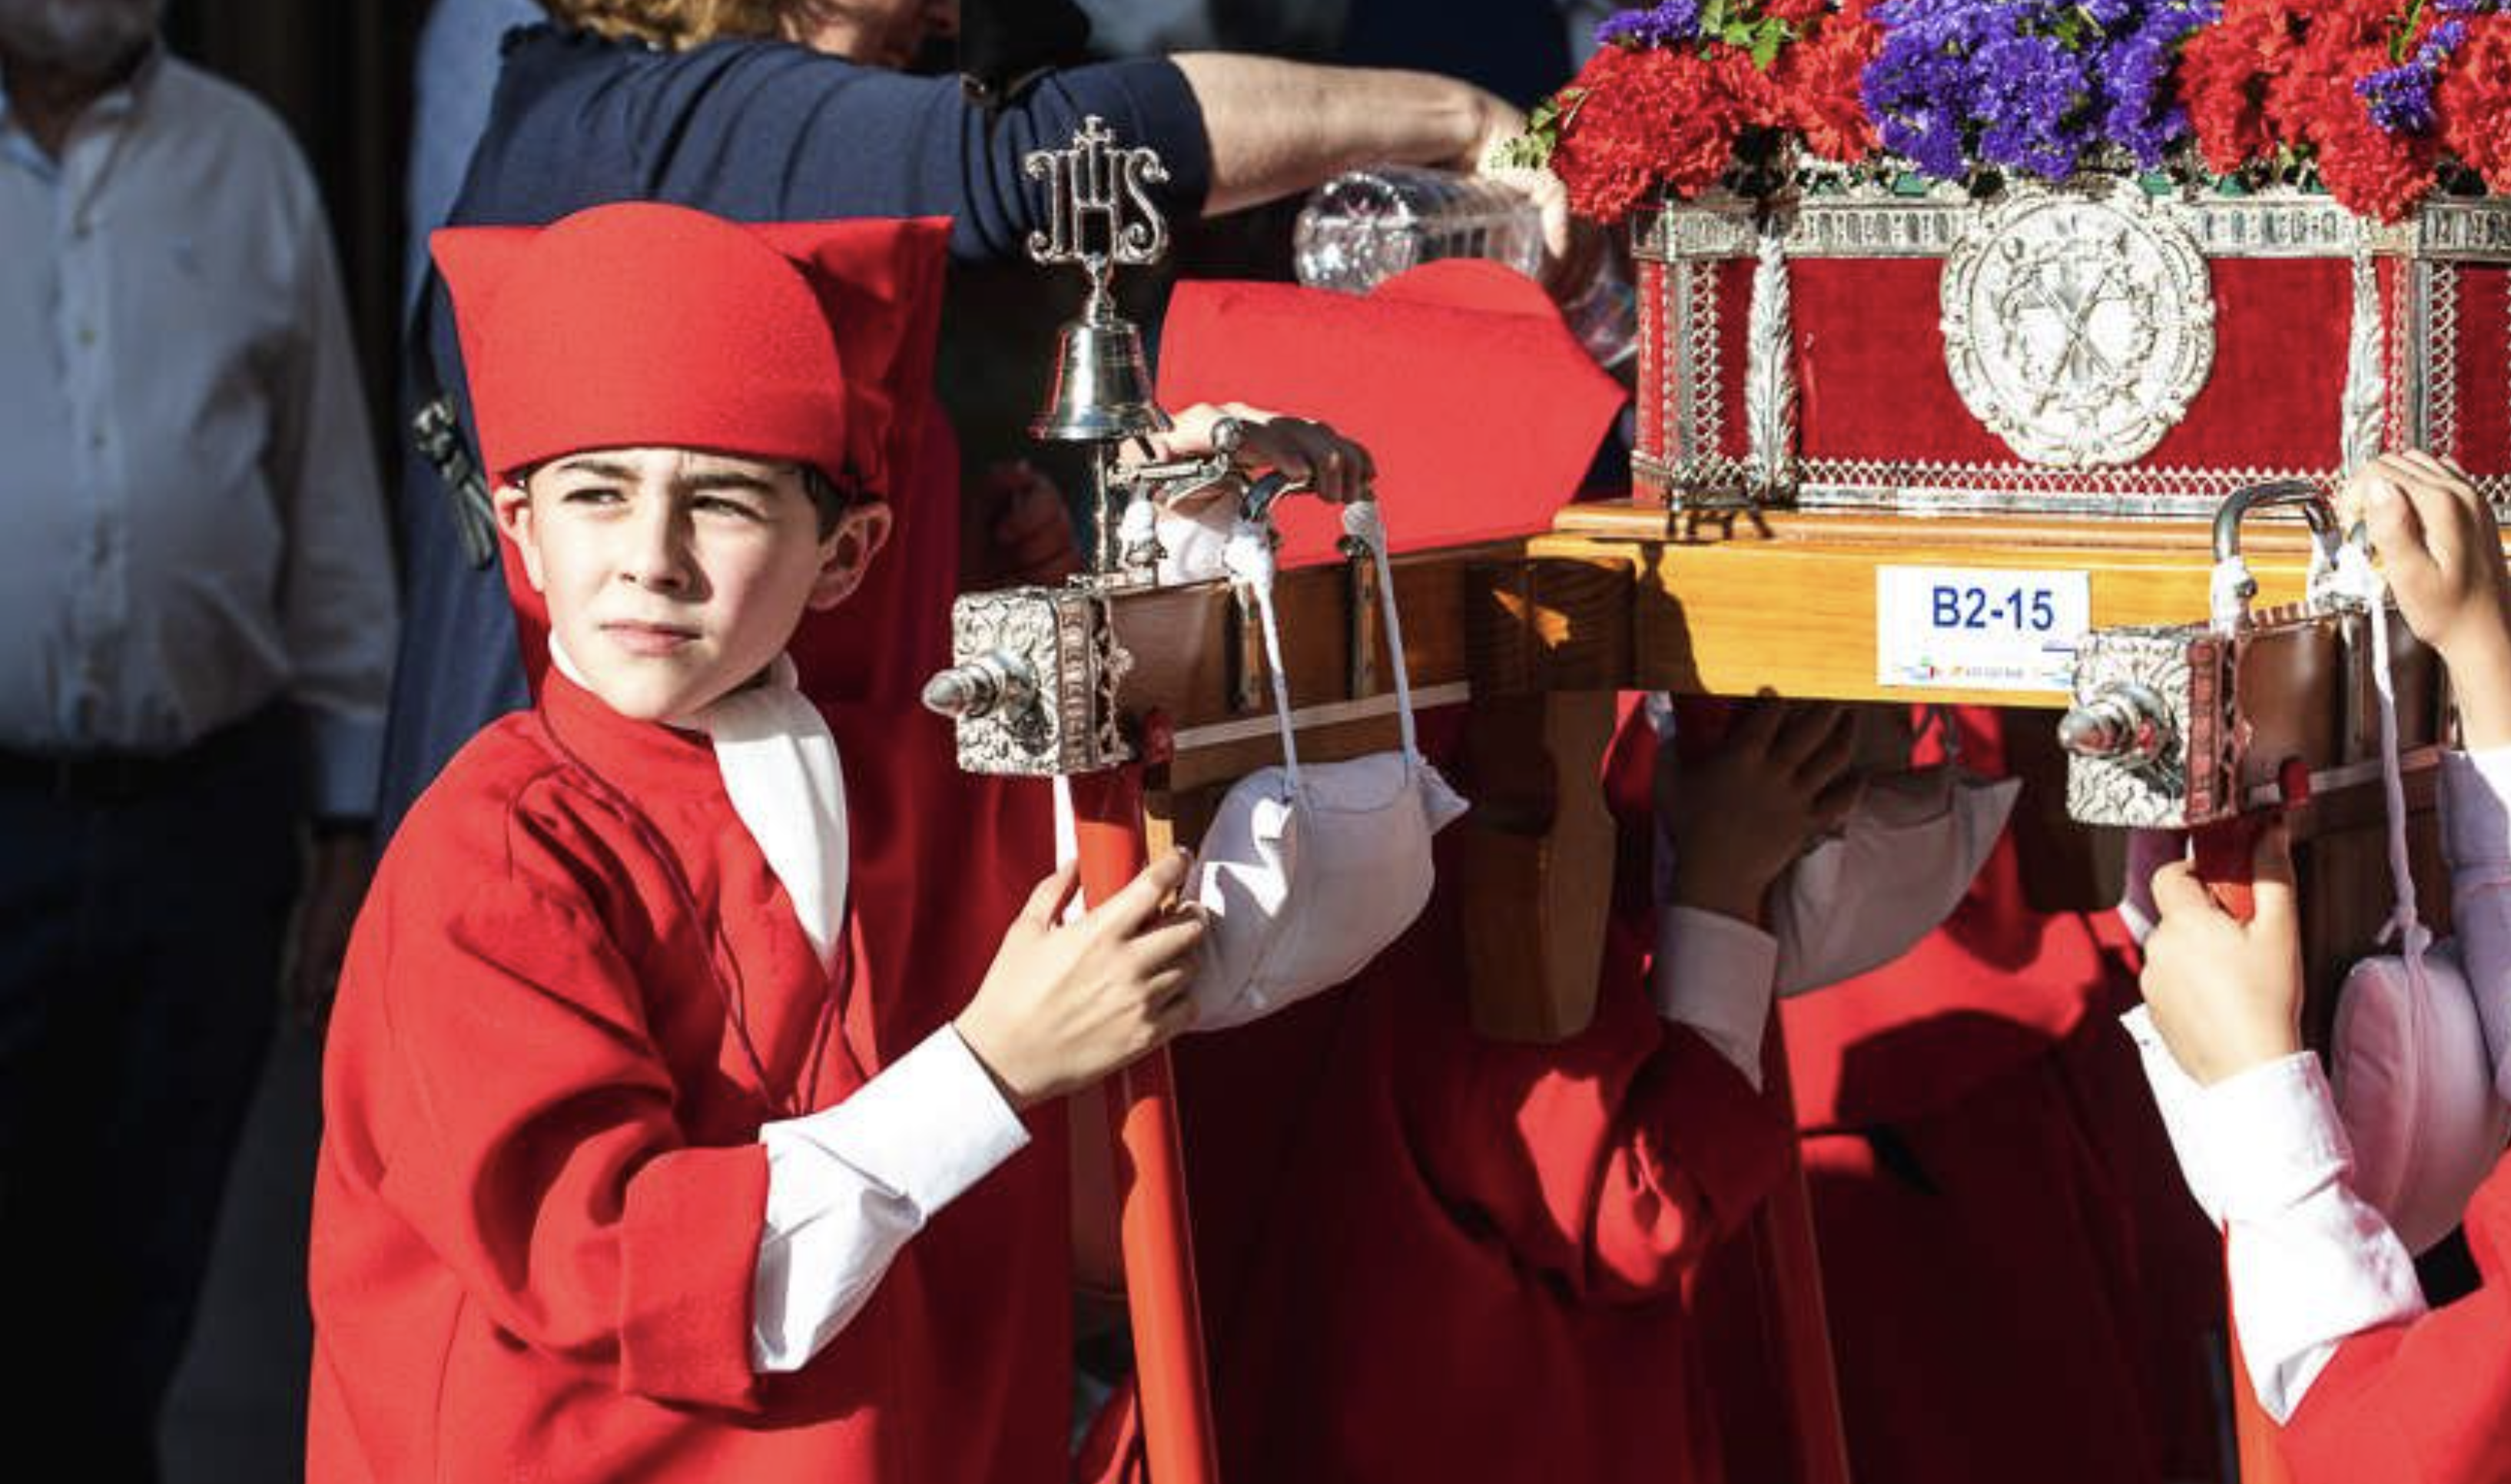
1620, 595
1785, 601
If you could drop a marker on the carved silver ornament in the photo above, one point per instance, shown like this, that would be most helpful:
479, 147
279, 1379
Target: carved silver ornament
2079, 325
1034, 686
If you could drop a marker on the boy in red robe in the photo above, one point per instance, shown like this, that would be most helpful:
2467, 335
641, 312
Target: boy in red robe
2338, 1341
664, 1139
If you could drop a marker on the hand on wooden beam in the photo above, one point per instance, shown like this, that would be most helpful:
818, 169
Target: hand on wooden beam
1740, 817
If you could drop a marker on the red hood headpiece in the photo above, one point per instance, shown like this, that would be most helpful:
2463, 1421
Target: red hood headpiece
640, 325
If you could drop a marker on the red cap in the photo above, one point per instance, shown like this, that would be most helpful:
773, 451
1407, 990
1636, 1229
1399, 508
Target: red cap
640, 325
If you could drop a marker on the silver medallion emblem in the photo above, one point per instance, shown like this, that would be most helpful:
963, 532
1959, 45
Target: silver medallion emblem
2079, 326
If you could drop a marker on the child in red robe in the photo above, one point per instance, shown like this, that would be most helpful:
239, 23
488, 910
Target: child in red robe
663, 1138
2338, 1341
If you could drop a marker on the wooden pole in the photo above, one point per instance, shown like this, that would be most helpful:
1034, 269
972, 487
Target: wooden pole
1150, 1178
1793, 1310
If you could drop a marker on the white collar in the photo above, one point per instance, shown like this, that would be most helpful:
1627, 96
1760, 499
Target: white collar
781, 771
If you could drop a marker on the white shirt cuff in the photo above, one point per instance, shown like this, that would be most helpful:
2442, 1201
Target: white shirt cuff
2174, 1096
847, 1186
1716, 974
2309, 1262
2476, 811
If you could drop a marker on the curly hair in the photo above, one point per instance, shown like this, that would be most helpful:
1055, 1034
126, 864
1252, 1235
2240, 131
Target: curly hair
675, 24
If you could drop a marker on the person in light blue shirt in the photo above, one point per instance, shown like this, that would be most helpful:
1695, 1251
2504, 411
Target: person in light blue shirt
196, 633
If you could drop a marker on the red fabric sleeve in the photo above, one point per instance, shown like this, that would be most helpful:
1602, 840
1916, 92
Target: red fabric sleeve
1611, 1161
541, 1157
690, 1255
2427, 1402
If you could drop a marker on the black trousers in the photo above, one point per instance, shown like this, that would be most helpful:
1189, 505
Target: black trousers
142, 911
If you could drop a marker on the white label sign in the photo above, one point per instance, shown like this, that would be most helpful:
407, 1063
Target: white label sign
1979, 628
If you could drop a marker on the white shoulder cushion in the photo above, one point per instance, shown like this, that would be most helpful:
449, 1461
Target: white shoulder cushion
2414, 1088
1304, 886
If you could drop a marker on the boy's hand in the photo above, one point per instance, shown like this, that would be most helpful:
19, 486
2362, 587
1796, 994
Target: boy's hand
1065, 1005
2226, 995
2443, 557
1742, 816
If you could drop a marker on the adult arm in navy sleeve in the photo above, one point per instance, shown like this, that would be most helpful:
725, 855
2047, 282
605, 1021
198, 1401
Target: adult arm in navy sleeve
770, 131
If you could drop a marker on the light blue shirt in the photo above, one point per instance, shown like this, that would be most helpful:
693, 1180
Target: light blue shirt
194, 522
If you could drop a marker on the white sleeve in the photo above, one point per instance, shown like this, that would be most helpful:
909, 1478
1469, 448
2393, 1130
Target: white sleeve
2476, 840
2174, 1096
2309, 1262
1717, 976
847, 1187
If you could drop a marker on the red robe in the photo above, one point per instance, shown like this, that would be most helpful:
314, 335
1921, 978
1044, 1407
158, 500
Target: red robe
635, 1365
540, 1192
2427, 1402
2018, 1284
1429, 1256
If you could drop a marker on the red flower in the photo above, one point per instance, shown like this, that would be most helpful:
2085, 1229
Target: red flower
2474, 101
1817, 82
2279, 74
2223, 80
1646, 117
1797, 13
2371, 172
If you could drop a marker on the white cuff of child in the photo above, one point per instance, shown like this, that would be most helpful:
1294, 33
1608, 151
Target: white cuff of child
1716, 975
2476, 810
2309, 1262
2174, 1096
847, 1186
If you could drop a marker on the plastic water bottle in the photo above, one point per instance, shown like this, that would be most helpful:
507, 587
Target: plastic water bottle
1366, 225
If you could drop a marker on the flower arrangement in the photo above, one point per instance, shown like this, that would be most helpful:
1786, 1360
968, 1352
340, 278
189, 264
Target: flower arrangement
2378, 100
2046, 88
2379, 103
1678, 94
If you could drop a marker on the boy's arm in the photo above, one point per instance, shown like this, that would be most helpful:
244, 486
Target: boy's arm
2424, 1400
2476, 841
1716, 975
2309, 1262
847, 1187
2428, 1396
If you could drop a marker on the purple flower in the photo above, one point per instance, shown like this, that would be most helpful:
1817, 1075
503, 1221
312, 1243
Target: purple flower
2043, 86
2439, 42
2399, 99
1662, 25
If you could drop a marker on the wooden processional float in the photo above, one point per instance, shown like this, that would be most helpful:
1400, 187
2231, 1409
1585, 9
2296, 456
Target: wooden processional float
2031, 558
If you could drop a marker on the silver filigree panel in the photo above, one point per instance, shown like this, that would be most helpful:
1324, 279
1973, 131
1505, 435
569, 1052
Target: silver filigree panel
2079, 326
1063, 642
2163, 662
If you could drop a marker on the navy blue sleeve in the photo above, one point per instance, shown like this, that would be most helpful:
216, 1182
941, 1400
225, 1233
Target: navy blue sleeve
769, 132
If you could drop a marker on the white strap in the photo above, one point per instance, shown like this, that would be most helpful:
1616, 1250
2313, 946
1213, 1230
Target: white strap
1249, 556
2354, 577
1362, 523
1249, 559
